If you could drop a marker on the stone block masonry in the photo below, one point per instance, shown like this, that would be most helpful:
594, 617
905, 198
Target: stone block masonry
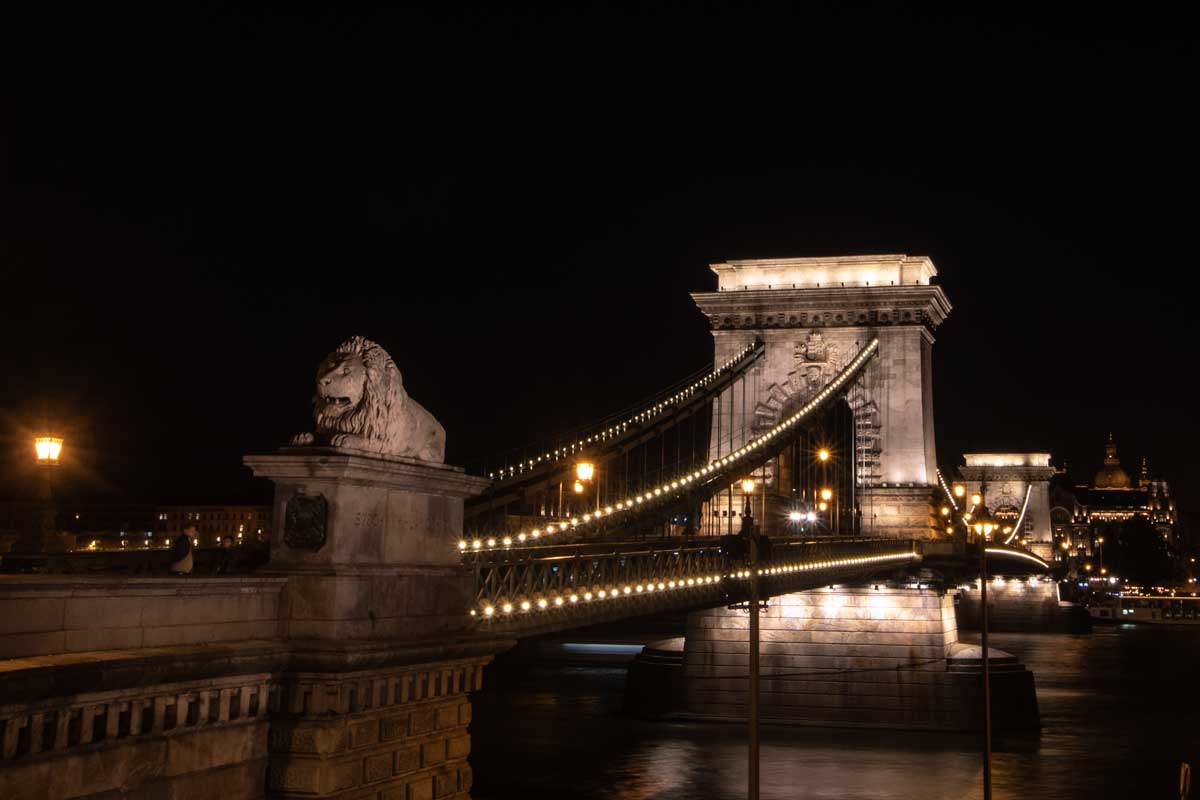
867, 656
379, 734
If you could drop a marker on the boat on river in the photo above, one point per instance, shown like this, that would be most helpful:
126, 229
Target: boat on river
1152, 609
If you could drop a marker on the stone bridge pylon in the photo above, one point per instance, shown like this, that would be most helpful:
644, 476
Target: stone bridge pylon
814, 314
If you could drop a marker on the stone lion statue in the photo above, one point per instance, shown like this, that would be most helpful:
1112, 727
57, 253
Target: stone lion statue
361, 405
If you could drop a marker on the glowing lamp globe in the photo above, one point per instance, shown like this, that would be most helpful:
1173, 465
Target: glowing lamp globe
578, 487
959, 490
48, 449
826, 494
823, 454
584, 471
982, 522
748, 486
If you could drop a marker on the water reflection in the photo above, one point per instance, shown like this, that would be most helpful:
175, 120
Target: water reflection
1118, 715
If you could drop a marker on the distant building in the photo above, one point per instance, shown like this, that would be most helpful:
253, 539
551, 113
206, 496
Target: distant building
103, 527
1079, 516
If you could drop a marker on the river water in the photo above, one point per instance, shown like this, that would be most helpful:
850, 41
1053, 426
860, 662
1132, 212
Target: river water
1119, 711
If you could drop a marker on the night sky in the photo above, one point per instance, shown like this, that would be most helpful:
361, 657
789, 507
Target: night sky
196, 206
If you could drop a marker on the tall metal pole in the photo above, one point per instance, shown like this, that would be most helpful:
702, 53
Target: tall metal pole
987, 689
752, 782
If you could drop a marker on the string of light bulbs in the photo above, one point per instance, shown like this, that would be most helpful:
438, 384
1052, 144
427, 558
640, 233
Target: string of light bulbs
493, 608
1017, 527
672, 488
618, 428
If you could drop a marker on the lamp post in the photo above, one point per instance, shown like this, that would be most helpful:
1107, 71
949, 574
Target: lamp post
748, 487
40, 533
983, 524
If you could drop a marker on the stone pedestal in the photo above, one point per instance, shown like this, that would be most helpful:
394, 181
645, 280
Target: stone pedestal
369, 544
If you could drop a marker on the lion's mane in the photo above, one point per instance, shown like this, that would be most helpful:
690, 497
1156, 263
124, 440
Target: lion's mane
382, 397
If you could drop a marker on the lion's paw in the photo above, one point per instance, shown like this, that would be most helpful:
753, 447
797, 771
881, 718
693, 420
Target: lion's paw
303, 439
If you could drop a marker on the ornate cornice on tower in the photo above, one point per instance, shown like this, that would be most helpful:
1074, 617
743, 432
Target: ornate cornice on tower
843, 291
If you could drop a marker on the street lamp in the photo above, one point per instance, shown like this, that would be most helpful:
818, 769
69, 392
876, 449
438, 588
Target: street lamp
48, 449
959, 490
748, 486
823, 454
38, 536
584, 470
983, 524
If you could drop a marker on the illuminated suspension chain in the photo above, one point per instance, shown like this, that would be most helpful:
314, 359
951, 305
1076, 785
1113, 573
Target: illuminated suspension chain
621, 427
1020, 519
679, 485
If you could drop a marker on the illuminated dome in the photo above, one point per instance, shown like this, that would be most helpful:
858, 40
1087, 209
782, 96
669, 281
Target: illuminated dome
1111, 476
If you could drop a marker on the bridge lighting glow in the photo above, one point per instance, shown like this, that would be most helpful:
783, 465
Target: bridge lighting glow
823, 506
823, 454
945, 511
578, 487
462, 545
959, 490
476, 544
584, 470
507, 541
826, 494
488, 611
542, 603
795, 516
558, 601
748, 485
491, 542
575, 598
506, 608
976, 499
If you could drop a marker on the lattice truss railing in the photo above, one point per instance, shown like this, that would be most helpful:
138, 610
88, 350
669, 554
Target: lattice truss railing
531, 587
694, 485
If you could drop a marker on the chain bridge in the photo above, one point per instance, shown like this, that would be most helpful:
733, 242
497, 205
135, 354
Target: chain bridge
798, 468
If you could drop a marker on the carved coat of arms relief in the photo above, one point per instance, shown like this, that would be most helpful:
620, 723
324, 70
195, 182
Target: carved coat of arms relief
815, 363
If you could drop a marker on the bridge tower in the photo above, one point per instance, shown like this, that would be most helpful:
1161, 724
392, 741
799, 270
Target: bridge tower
1006, 479
815, 314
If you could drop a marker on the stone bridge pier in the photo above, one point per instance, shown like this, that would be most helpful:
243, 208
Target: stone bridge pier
341, 671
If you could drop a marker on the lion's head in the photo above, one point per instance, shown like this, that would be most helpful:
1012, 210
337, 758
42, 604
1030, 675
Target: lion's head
358, 385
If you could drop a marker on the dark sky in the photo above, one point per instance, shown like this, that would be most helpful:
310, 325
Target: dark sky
195, 206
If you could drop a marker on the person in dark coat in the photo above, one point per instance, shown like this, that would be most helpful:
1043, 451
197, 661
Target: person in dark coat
181, 550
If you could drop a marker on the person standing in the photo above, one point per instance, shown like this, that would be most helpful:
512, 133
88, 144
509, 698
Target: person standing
181, 550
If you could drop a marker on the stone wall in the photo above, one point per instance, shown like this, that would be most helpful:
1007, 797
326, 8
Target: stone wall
1020, 605
867, 656
856, 657
390, 734
51, 614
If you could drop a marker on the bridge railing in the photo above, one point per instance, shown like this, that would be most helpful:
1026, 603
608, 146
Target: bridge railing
533, 582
